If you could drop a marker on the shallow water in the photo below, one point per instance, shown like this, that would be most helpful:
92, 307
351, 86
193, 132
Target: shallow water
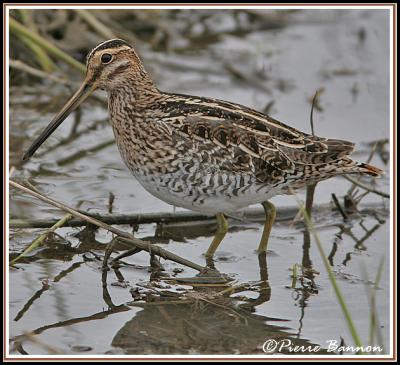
58, 292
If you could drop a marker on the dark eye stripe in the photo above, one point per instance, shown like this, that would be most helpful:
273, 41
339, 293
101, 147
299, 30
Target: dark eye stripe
119, 70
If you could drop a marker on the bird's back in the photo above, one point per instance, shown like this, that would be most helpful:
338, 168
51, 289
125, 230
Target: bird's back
253, 139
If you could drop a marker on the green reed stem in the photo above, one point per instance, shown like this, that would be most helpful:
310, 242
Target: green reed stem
331, 276
22, 31
98, 26
294, 276
42, 57
374, 324
39, 240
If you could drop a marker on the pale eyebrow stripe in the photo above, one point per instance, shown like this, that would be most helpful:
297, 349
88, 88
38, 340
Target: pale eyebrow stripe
119, 44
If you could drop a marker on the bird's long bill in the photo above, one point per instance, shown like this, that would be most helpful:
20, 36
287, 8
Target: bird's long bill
84, 91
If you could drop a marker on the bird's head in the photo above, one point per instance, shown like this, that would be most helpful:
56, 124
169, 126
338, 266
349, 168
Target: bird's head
111, 65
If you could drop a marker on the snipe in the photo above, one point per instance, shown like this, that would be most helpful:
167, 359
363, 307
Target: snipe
199, 153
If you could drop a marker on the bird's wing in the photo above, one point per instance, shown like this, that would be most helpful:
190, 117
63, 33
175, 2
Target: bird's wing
251, 134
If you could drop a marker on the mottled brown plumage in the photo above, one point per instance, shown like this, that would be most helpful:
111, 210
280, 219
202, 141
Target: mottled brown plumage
201, 153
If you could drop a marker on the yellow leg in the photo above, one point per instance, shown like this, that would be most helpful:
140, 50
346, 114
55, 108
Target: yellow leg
270, 214
222, 228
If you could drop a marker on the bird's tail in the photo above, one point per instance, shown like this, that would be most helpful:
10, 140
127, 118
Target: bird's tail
365, 168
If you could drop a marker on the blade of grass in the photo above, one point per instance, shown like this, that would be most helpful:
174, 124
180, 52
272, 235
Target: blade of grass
294, 276
374, 330
332, 279
95, 23
310, 190
39, 240
42, 57
376, 285
374, 323
21, 30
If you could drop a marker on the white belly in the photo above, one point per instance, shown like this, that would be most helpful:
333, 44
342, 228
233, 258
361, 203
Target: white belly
204, 194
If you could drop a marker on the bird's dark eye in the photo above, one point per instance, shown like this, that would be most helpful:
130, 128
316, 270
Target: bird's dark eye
106, 58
